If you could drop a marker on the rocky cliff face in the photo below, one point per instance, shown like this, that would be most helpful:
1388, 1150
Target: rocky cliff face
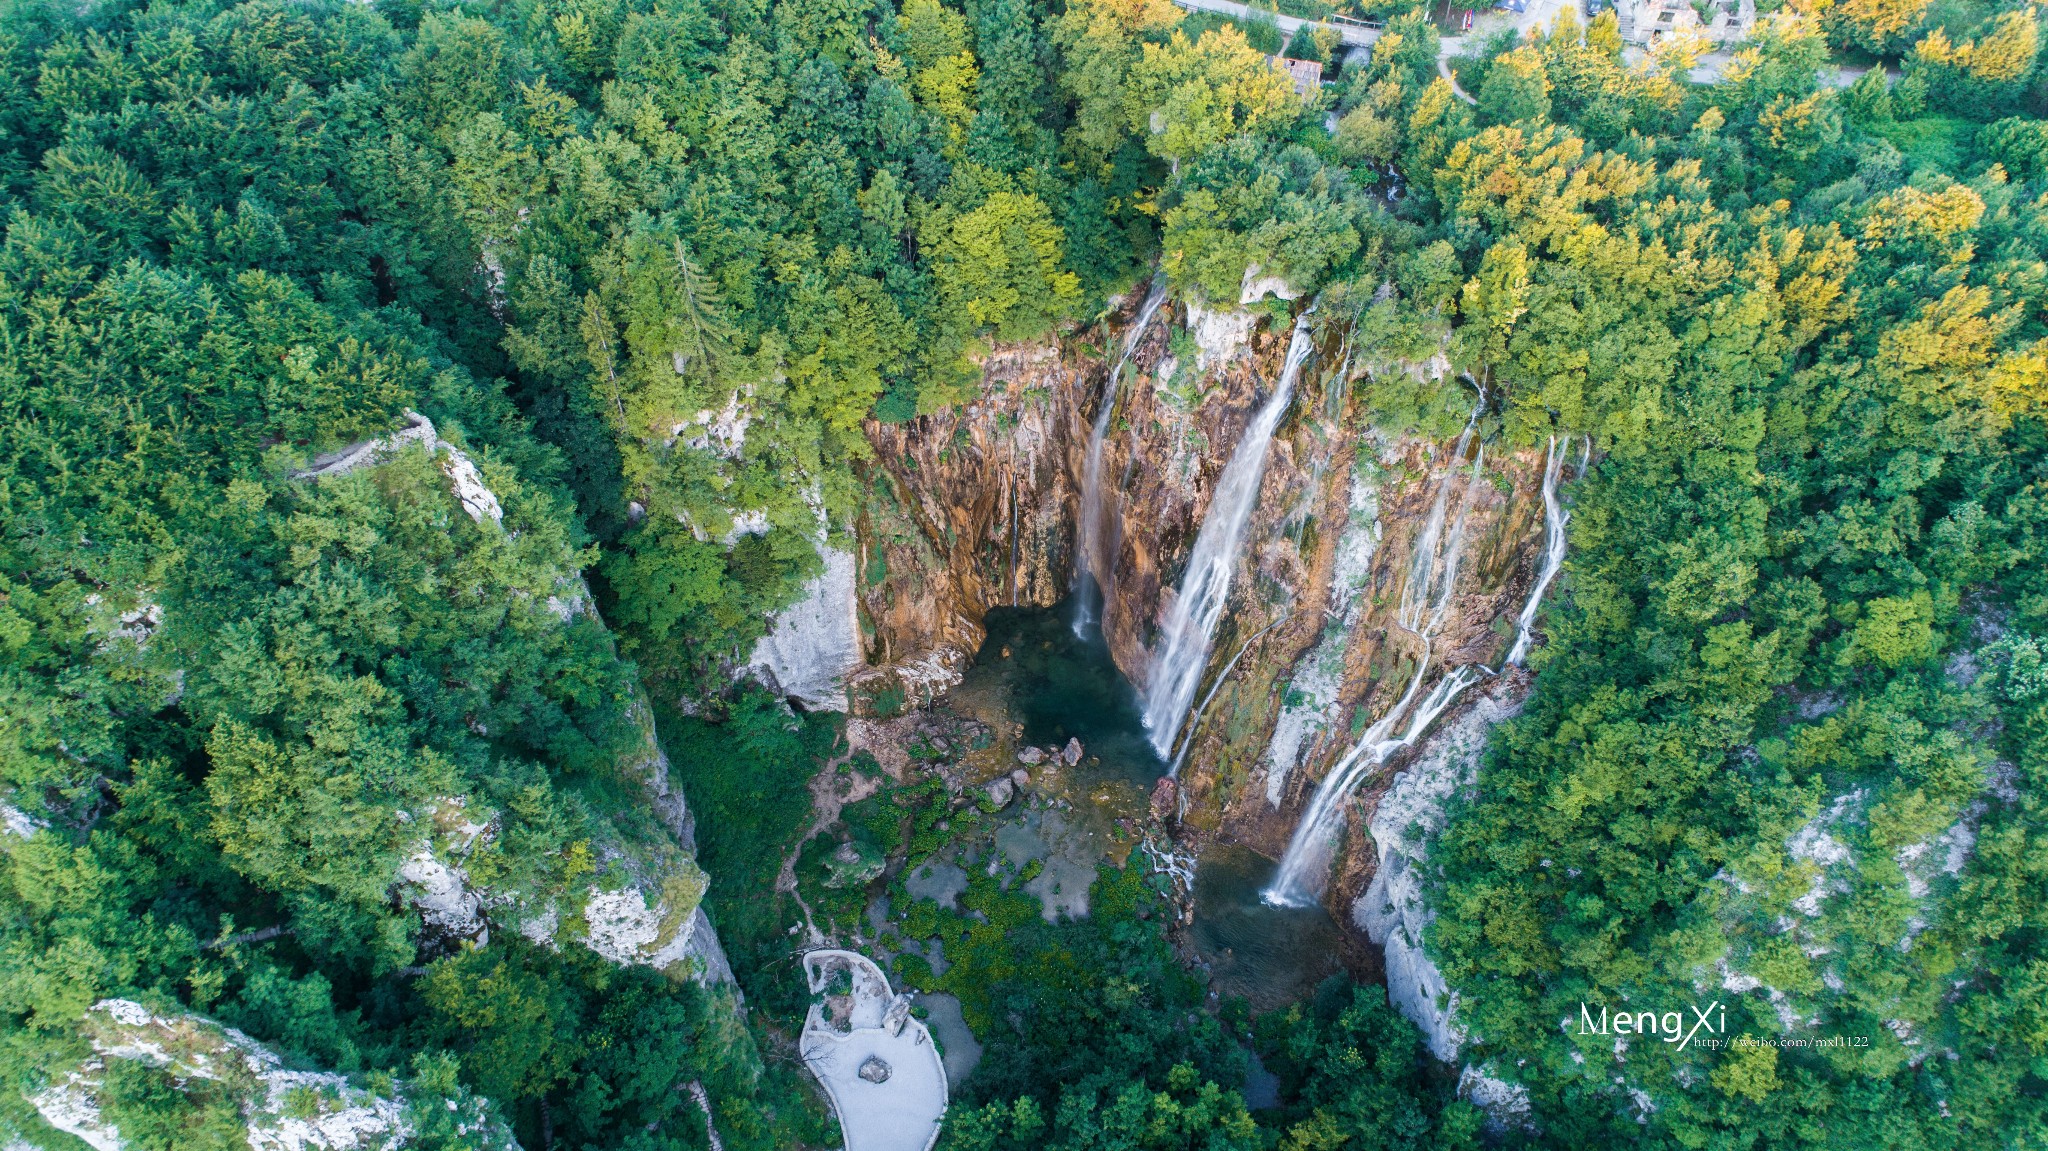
969, 509
976, 509
280, 1109
657, 919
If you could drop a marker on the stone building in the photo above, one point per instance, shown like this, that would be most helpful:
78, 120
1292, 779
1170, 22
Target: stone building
1646, 22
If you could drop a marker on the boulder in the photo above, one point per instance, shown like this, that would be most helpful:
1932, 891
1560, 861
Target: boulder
1021, 778
1031, 755
1071, 754
853, 865
1001, 791
1165, 800
874, 1070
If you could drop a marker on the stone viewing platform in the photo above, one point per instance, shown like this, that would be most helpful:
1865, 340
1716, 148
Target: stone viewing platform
877, 1063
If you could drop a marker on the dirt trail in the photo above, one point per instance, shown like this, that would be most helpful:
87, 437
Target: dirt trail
827, 801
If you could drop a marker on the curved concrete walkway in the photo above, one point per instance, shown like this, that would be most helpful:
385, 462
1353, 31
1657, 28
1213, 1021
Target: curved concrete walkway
1443, 68
870, 1026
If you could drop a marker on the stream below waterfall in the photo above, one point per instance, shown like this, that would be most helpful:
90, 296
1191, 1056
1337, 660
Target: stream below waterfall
1271, 955
1035, 672
1038, 683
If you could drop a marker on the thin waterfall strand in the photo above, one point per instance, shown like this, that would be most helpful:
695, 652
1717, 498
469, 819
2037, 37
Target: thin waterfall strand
1173, 772
1415, 592
1554, 520
1454, 547
1088, 559
1184, 649
1308, 851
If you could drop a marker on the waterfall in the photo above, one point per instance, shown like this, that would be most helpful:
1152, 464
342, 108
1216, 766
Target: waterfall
1173, 772
1184, 642
1319, 679
1425, 598
1088, 546
1415, 592
1308, 852
1554, 520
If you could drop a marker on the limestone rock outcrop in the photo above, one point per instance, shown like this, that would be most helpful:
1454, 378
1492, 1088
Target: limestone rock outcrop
283, 1110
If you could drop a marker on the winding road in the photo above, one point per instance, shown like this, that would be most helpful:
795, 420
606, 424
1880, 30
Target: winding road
1357, 35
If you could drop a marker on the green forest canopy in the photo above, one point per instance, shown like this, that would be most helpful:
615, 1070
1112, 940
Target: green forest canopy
1802, 324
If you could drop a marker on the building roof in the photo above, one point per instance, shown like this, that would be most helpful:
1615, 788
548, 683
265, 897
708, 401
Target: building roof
1306, 74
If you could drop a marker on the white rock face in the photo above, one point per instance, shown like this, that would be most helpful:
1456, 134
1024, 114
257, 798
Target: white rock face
1256, 287
1320, 677
479, 501
723, 431
1814, 844
73, 1108
1506, 1104
446, 904
476, 498
752, 522
1221, 334
1392, 911
366, 1122
18, 822
273, 1100
624, 930
933, 674
814, 644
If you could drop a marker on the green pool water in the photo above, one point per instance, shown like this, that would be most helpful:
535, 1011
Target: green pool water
1060, 687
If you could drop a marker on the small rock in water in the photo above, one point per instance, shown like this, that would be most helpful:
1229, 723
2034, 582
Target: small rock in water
1021, 778
874, 1070
1031, 755
1072, 753
1002, 791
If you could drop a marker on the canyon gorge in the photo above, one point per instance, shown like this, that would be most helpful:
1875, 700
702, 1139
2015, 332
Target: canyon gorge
1299, 596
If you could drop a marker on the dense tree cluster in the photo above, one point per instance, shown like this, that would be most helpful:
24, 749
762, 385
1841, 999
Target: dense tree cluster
1781, 753
644, 269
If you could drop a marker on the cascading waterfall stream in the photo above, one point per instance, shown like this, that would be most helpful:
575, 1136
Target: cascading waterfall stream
1308, 852
1422, 570
1088, 559
1554, 520
1176, 670
1424, 600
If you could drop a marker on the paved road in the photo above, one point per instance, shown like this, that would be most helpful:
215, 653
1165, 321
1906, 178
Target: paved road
1443, 68
1709, 67
1539, 14
1353, 35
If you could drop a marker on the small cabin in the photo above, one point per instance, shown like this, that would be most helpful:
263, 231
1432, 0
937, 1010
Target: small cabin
1306, 74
